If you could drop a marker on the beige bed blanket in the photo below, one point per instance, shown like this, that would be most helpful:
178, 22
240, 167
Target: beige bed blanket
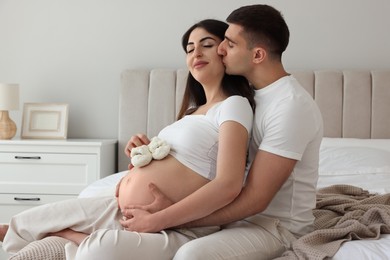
343, 213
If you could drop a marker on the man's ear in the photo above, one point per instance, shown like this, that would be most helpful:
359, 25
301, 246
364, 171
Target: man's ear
259, 55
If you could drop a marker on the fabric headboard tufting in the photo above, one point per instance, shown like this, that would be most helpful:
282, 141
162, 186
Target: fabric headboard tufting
354, 104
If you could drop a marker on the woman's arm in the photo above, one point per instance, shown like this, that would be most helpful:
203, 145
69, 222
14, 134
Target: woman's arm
231, 160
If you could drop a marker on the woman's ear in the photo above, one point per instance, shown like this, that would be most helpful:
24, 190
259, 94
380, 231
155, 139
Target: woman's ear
259, 55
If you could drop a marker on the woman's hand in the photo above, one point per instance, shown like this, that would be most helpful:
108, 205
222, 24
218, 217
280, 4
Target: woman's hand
160, 202
135, 141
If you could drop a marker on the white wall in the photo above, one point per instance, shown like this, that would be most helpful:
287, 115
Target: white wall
73, 51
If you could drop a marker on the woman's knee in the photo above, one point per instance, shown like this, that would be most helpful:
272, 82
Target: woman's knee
101, 244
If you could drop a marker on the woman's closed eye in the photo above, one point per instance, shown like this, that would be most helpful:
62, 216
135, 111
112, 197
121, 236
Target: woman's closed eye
189, 50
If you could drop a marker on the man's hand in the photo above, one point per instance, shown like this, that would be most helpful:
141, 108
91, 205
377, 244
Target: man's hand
140, 221
160, 202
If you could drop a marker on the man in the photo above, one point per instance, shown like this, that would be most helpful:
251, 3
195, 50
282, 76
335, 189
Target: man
279, 193
277, 199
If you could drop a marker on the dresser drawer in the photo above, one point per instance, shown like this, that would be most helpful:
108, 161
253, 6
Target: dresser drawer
12, 204
46, 173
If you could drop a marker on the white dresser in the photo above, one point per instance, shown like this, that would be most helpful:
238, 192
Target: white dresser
35, 172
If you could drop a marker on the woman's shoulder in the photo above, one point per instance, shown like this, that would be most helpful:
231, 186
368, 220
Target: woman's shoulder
236, 98
236, 108
236, 101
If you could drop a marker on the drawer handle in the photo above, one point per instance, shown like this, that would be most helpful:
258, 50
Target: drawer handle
26, 199
28, 157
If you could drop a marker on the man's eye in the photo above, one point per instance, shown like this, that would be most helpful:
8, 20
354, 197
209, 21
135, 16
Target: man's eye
208, 45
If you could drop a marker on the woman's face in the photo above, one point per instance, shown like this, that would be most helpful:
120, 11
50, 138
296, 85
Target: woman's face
203, 60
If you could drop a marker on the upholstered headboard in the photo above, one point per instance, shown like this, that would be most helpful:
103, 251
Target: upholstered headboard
354, 104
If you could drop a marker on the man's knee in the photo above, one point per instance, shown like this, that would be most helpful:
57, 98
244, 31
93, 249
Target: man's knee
99, 245
192, 251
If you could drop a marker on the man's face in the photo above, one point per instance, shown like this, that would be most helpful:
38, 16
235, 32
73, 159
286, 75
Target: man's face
236, 55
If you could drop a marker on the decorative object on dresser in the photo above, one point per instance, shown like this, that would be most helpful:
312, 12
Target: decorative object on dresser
35, 172
45, 121
9, 100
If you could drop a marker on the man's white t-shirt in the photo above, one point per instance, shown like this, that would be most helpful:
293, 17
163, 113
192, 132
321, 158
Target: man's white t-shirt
288, 123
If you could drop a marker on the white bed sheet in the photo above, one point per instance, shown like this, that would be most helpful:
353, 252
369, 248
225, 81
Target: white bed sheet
365, 249
360, 162
364, 163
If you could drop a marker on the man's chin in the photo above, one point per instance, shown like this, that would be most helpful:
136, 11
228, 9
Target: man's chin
230, 71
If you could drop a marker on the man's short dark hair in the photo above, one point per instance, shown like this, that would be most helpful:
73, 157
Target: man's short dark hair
263, 25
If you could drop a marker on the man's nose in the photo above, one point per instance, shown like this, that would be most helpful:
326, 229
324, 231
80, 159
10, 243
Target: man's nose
221, 48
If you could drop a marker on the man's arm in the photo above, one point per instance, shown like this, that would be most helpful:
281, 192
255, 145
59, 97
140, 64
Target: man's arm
266, 177
267, 174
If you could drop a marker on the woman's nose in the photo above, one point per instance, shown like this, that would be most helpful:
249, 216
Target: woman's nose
198, 52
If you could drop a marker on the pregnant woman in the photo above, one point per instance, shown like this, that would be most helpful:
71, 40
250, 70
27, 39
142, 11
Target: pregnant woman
203, 172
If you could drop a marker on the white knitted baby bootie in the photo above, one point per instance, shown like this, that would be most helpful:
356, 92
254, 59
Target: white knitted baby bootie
140, 156
143, 155
159, 148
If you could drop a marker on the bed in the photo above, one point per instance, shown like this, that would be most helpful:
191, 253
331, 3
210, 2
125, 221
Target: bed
355, 150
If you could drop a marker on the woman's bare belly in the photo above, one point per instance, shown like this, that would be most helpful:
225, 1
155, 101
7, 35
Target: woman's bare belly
174, 179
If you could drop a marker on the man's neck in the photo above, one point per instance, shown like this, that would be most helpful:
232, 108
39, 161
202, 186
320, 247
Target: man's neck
266, 75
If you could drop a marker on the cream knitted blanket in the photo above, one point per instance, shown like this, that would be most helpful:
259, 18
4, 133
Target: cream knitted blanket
49, 248
343, 213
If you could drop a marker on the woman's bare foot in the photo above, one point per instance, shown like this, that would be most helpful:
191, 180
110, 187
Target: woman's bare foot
3, 231
74, 236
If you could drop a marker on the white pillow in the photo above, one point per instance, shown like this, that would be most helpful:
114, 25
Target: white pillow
353, 160
360, 162
103, 187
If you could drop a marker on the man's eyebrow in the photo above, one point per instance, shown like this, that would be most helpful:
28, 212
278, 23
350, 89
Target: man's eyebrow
202, 40
230, 40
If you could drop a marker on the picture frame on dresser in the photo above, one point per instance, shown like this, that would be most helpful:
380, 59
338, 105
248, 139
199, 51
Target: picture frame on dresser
45, 121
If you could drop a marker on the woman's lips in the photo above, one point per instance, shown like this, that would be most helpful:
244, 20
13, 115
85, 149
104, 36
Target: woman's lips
200, 64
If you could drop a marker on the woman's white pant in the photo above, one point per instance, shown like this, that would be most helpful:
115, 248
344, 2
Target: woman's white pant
98, 217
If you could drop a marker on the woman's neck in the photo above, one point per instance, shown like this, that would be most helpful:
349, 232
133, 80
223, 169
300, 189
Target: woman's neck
213, 93
213, 96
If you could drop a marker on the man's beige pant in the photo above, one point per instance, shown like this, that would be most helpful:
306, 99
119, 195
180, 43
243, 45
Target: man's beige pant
257, 238
99, 218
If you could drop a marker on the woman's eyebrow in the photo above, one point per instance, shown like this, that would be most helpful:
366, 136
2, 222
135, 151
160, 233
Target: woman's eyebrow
203, 39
